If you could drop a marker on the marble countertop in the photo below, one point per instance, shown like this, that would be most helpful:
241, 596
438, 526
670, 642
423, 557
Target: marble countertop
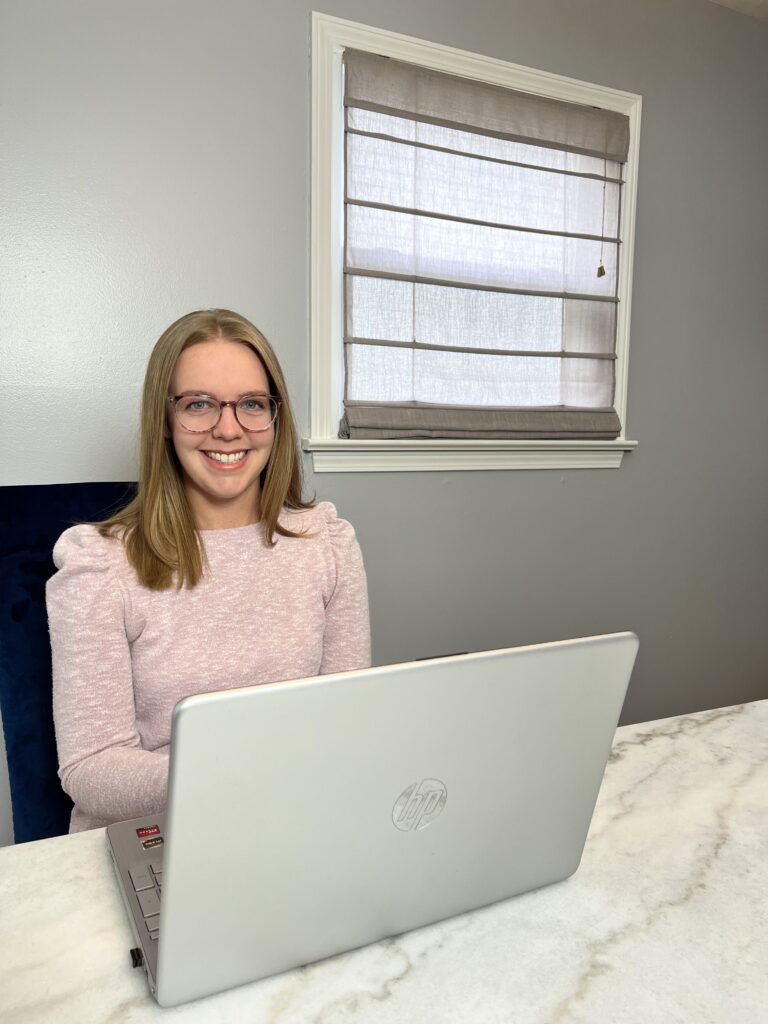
666, 919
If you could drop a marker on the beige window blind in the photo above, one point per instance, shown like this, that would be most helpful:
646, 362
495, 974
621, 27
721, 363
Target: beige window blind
481, 258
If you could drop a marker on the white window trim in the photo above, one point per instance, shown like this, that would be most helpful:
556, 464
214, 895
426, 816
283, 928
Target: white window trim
330, 37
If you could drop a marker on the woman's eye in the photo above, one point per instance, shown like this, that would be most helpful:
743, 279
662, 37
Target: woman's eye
253, 404
198, 405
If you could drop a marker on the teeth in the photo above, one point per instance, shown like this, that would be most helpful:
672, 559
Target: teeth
228, 457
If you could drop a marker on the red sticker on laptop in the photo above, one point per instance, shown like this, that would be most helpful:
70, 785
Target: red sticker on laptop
148, 830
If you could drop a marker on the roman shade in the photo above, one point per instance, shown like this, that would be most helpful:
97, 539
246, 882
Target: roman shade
481, 258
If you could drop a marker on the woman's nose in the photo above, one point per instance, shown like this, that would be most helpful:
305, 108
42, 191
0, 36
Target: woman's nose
228, 425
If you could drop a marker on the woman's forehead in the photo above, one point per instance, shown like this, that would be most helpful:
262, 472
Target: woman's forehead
219, 365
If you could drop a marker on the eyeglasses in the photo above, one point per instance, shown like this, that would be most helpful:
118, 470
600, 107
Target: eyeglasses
199, 413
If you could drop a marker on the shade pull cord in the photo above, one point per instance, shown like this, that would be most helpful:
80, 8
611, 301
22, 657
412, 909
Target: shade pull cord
601, 268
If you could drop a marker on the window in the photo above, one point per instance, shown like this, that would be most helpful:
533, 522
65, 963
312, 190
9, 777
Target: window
470, 308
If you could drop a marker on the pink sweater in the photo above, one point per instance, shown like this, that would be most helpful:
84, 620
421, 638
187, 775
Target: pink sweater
124, 655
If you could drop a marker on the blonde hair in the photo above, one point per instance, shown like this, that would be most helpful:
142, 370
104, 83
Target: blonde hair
157, 527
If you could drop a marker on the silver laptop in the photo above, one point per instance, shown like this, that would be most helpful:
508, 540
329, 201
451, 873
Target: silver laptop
307, 818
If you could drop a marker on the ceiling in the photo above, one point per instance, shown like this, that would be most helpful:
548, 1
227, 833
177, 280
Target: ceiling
754, 8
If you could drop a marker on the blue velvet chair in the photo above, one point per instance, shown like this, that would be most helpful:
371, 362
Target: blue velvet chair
31, 519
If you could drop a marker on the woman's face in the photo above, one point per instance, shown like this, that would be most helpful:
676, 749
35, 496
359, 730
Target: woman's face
221, 494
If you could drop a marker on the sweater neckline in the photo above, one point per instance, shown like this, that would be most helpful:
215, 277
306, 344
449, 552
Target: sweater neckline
231, 531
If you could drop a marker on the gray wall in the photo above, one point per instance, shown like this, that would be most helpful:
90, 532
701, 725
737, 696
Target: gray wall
6, 822
156, 158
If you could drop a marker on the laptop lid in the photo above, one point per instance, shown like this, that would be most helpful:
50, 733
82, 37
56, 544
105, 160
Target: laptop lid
306, 818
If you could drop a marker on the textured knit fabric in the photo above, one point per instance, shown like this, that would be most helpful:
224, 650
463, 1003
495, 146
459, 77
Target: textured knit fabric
124, 655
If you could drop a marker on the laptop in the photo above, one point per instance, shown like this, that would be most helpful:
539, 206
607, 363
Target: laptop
310, 817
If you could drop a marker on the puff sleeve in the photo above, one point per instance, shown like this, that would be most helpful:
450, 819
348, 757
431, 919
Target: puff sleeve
102, 765
347, 638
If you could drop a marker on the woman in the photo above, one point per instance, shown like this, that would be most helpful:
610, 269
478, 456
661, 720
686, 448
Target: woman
218, 574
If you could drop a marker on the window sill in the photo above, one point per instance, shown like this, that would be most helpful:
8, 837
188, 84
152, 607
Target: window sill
336, 455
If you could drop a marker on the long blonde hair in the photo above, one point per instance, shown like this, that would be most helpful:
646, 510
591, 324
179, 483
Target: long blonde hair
157, 527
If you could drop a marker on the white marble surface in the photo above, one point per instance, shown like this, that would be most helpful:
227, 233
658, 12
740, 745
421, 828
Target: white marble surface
666, 920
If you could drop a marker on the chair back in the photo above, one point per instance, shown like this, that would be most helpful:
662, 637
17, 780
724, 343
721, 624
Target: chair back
31, 519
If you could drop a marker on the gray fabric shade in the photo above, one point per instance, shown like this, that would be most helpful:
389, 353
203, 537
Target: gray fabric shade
406, 90
414, 421
481, 258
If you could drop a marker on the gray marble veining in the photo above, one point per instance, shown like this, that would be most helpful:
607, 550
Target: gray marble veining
666, 919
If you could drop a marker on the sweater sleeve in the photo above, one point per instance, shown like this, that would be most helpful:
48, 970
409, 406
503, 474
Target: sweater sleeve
102, 765
347, 638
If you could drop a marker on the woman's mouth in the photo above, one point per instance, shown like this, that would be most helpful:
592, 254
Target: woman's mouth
228, 459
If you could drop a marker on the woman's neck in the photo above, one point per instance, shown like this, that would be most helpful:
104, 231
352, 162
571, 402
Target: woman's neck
209, 514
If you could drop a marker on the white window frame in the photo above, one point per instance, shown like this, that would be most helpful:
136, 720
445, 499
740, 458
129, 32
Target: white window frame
330, 37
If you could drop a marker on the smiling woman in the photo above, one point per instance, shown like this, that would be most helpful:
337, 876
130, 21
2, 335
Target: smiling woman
218, 543
223, 447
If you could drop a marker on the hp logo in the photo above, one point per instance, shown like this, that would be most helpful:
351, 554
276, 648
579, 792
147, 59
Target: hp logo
419, 805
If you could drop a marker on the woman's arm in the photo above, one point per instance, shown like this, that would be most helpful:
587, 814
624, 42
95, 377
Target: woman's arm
102, 765
347, 638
